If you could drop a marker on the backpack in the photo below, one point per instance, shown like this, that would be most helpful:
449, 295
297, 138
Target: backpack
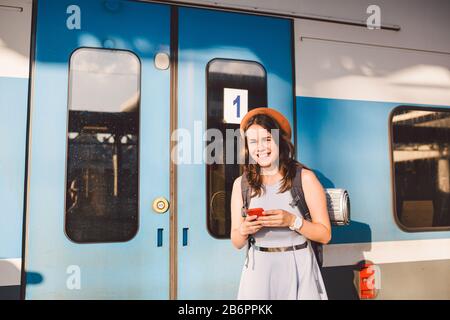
298, 200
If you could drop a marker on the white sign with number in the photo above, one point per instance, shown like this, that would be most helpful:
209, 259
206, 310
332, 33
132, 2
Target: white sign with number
235, 105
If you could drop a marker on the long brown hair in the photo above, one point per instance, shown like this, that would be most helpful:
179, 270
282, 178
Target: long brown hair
287, 163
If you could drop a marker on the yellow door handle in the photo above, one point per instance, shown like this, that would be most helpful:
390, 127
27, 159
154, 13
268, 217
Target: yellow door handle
160, 205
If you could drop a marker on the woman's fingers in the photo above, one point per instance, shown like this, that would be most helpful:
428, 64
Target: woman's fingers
272, 223
256, 228
271, 212
253, 229
270, 218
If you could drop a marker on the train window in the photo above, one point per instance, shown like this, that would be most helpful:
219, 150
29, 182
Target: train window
103, 146
420, 146
234, 87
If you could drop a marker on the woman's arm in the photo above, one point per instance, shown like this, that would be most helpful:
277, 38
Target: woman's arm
319, 229
240, 227
237, 239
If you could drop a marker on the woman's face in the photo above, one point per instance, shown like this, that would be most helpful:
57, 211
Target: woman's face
261, 146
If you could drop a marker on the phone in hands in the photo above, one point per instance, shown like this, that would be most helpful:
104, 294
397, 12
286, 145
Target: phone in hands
255, 212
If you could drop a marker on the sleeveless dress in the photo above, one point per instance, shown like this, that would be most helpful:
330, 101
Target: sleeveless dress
291, 275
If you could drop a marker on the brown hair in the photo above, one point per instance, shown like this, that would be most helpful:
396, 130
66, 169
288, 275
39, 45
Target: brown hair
287, 163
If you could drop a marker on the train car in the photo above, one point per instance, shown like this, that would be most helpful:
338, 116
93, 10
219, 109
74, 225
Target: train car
104, 190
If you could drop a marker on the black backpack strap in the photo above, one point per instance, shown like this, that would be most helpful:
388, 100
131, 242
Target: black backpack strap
246, 196
245, 190
299, 200
298, 195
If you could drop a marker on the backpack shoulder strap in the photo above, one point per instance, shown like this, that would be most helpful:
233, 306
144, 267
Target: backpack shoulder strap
298, 195
245, 190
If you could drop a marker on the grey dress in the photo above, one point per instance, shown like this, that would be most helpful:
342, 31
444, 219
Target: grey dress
291, 275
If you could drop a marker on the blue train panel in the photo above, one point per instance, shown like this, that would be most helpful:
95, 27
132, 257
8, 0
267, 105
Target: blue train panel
347, 143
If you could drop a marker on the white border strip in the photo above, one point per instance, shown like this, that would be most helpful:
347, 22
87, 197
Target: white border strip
10, 272
386, 252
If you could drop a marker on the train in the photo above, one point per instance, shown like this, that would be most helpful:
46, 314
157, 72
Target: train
96, 95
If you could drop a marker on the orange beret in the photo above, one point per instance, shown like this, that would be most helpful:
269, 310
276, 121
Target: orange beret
274, 114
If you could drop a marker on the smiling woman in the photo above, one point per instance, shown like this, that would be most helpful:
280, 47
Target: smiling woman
283, 264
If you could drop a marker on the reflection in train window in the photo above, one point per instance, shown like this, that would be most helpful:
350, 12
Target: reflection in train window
103, 146
420, 142
233, 88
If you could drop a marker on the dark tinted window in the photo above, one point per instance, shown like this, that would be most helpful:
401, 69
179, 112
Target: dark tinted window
242, 86
103, 146
421, 139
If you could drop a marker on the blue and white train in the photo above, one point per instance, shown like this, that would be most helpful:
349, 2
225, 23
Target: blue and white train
92, 91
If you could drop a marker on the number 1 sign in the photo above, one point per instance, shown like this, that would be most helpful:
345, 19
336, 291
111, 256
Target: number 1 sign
235, 105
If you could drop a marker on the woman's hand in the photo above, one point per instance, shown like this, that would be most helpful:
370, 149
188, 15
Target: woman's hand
250, 226
277, 218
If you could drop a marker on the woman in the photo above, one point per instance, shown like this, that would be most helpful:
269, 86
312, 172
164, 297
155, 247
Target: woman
288, 270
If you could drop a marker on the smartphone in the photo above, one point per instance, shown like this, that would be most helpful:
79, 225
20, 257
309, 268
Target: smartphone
255, 212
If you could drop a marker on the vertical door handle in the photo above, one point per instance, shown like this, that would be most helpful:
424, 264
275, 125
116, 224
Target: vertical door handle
160, 237
185, 237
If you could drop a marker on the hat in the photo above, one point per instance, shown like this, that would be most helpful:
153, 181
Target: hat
274, 114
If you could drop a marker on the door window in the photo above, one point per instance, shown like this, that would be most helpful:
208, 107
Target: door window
234, 87
103, 146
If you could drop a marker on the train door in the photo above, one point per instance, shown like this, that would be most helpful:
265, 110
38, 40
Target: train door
228, 64
98, 171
